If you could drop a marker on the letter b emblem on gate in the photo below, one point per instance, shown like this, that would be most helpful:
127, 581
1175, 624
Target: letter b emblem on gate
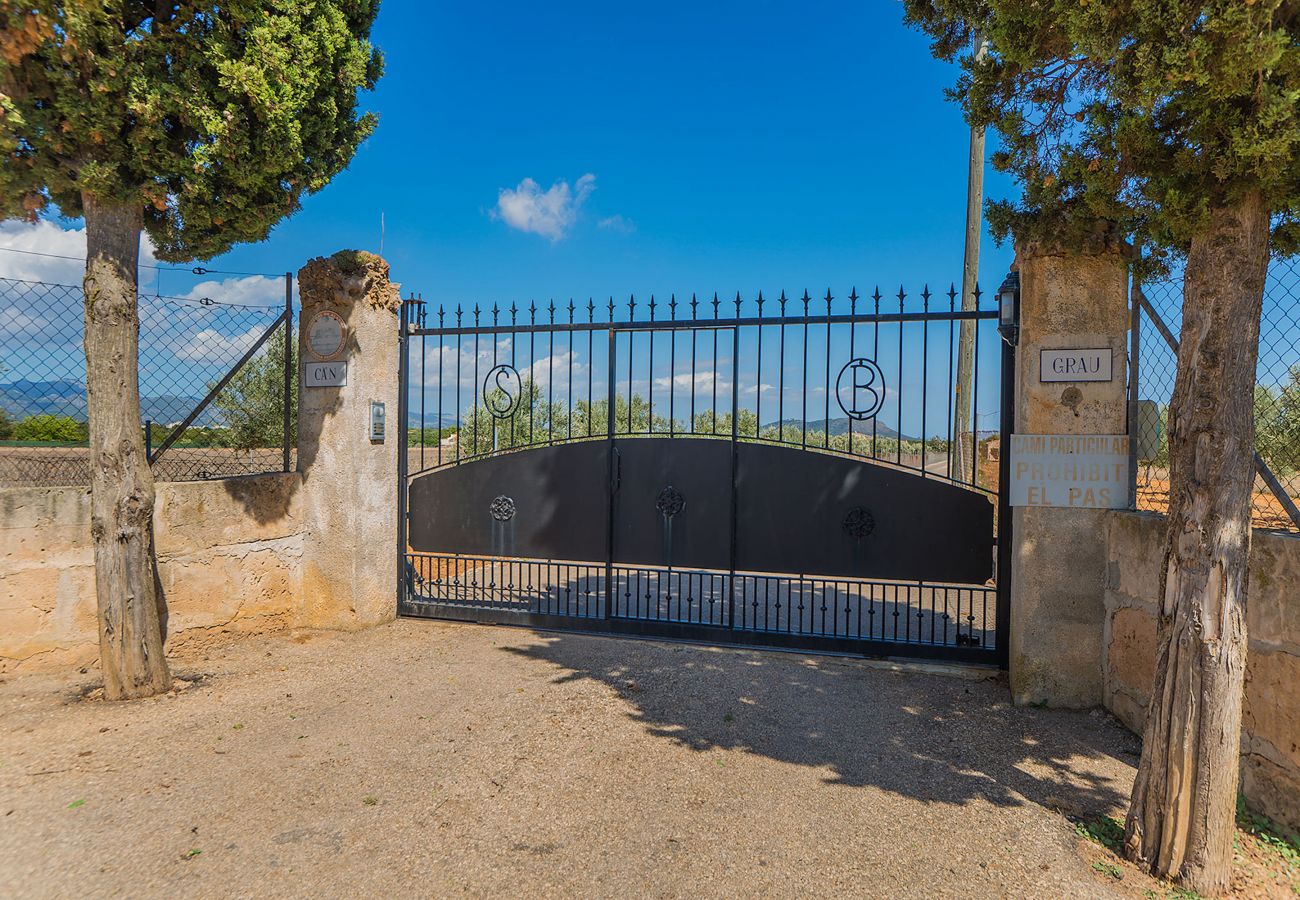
860, 389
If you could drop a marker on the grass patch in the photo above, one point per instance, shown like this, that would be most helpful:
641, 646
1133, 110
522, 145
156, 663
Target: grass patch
1269, 835
1104, 830
1106, 868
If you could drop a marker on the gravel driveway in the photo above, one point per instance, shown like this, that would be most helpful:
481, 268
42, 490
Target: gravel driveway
431, 759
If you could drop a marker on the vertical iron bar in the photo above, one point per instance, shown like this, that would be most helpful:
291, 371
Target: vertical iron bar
826, 421
925, 371
898, 436
974, 401
735, 420
403, 366
288, 366
611, 473
1134, 387
1006, 426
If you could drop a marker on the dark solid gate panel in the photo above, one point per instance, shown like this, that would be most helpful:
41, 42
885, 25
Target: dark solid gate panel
804, 512
544, 503
673, 503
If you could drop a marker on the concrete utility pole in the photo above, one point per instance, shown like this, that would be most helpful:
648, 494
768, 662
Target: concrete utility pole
963, 459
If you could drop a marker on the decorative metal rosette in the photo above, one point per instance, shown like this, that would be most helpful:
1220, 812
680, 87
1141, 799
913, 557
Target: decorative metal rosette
670, 501
858, 523
502, 508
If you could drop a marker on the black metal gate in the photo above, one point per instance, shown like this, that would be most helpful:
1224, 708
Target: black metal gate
799, 477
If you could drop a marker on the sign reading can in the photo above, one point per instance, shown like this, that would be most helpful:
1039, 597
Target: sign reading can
1087, 471
325, 374
1076, 365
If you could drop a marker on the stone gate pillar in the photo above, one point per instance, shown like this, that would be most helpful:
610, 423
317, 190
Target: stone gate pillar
1068, 301
347, 351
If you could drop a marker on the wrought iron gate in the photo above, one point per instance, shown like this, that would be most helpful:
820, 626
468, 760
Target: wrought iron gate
793, 472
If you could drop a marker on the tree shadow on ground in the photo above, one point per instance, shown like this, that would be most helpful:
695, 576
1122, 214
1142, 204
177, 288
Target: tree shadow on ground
934, 738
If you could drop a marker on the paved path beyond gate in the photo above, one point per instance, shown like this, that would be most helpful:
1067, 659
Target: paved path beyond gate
428, 759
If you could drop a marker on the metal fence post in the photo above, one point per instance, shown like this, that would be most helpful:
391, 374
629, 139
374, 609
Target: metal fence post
288, 365
1134, 384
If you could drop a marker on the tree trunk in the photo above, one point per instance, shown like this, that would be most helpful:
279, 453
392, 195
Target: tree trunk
122, 491
1181, 823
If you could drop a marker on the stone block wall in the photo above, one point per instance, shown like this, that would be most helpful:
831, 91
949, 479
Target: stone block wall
229, 559
1270, 740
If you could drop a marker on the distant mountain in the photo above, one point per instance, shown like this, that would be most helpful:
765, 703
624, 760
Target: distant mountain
841, 426
24, 398
431, 419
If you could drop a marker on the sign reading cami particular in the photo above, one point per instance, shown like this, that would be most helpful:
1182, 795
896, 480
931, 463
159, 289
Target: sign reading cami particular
1069, 364
326, 341
1085, 471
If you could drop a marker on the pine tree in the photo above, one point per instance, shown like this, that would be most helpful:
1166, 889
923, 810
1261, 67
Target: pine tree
203, 124
1178, 122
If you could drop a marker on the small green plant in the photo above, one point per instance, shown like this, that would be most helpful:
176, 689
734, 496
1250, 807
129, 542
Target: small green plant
1106, 868
238, 726
1104, 830
75, 803
1267, 833
728, 718
370, 801
191, 853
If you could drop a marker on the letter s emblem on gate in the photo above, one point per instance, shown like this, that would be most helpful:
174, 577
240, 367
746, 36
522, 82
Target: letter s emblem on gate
501, 391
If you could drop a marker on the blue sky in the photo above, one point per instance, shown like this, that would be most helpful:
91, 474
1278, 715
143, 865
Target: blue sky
729, 146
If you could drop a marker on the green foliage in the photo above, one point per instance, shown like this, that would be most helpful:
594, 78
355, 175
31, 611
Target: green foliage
428, 437
61, 429
1277, 425
1108, 869
1144, 115
215, 116
252, 404
1103, 830
6, 426
1286, 846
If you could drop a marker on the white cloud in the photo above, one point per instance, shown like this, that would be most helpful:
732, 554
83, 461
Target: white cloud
45, 237
617, 223
251, 290
212, 346
550, 213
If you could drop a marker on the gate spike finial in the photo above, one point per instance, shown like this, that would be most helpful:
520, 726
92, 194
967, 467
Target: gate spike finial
715, 304
591, 310
828, 301
952, 296
532, 312
853, 301
901, 297
611, 307
760, 304
925, 297
496, 313
652, 307
459, 312
550, 307
631, 307
782, 300
694, 305
441, 313
806, 300
875, 296
977, 295
476, 315
571, 308
672, 306
737, 304
514, 312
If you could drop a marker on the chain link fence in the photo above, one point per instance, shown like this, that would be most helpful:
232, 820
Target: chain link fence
215, 378
1277, 396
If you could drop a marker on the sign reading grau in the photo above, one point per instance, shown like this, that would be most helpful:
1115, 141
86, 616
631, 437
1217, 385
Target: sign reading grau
1070, 364
1088, 471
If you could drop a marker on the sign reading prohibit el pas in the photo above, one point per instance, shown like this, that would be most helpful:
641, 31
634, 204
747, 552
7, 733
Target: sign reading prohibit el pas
1085, 471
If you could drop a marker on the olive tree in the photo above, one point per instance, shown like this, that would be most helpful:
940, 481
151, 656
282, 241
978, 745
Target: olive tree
202, 123
1178, 122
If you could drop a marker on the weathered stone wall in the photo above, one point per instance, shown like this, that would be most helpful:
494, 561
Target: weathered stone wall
1270, 740
229, 559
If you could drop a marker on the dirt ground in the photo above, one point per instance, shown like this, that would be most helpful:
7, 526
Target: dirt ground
432, 759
